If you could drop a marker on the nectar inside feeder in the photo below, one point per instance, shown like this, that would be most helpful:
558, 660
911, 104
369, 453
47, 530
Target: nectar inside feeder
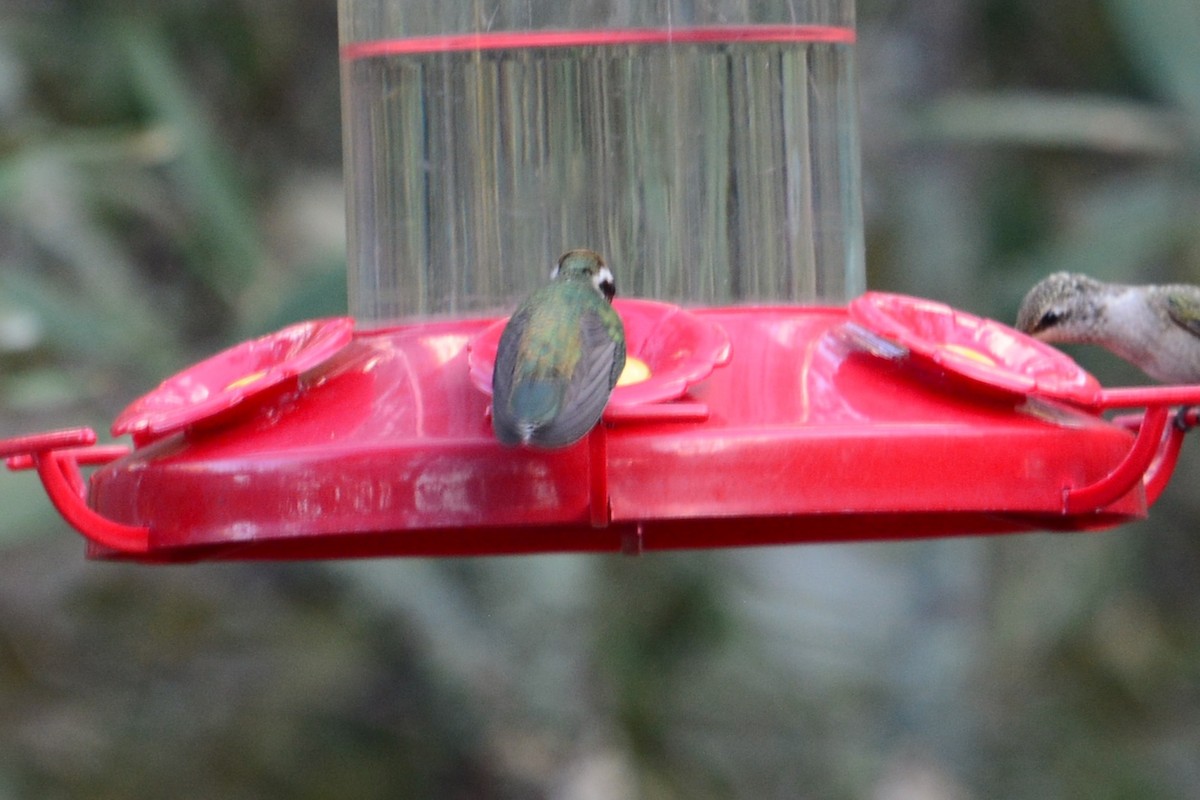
767, 399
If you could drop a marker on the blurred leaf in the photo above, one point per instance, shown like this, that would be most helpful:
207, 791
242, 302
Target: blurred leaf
320, 294
227, 224
39, 390
20, 330
27, 511
76, 324
1164, 36
1043, 120
1119, 228
51, 207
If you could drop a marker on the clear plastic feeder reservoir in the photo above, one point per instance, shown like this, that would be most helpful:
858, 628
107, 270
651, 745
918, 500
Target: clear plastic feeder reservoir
707, 148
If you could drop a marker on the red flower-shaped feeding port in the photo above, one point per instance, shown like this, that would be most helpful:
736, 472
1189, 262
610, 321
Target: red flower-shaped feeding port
668, 350
982, 351
234, 380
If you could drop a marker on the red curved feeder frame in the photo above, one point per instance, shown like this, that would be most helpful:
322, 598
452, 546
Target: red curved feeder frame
893, 418
56, 456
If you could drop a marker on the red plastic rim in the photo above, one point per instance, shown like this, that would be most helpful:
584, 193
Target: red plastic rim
679, 349
235, 378
981, 350
507, 40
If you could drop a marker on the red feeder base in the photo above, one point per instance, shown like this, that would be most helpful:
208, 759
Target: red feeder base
809, 429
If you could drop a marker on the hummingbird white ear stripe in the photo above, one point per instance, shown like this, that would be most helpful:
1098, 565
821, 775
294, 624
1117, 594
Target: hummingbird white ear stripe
602, 277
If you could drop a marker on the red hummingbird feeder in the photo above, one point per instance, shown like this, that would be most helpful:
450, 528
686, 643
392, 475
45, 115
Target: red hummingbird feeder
767, 399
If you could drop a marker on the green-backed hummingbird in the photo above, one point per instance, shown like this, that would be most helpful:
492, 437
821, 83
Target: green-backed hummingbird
1156, 328
559, 357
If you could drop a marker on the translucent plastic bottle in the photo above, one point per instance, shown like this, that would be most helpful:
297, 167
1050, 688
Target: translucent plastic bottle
708, 150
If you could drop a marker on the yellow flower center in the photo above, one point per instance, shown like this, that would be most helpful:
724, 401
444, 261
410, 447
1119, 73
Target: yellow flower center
635, 371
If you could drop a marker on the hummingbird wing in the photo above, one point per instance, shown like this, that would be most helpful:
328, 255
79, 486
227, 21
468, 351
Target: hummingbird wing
504, 421
1184, 310
602, 358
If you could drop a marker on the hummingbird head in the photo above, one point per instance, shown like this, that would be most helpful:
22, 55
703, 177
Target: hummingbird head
585, 265
1064, 307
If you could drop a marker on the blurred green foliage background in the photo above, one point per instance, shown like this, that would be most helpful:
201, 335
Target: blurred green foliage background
170, 184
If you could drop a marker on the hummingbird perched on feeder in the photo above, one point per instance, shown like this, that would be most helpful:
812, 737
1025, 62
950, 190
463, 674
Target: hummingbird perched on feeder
1156, 328
559, 357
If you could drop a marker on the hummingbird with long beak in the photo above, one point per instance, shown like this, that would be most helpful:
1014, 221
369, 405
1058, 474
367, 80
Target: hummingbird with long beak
1156, 328
559, 357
